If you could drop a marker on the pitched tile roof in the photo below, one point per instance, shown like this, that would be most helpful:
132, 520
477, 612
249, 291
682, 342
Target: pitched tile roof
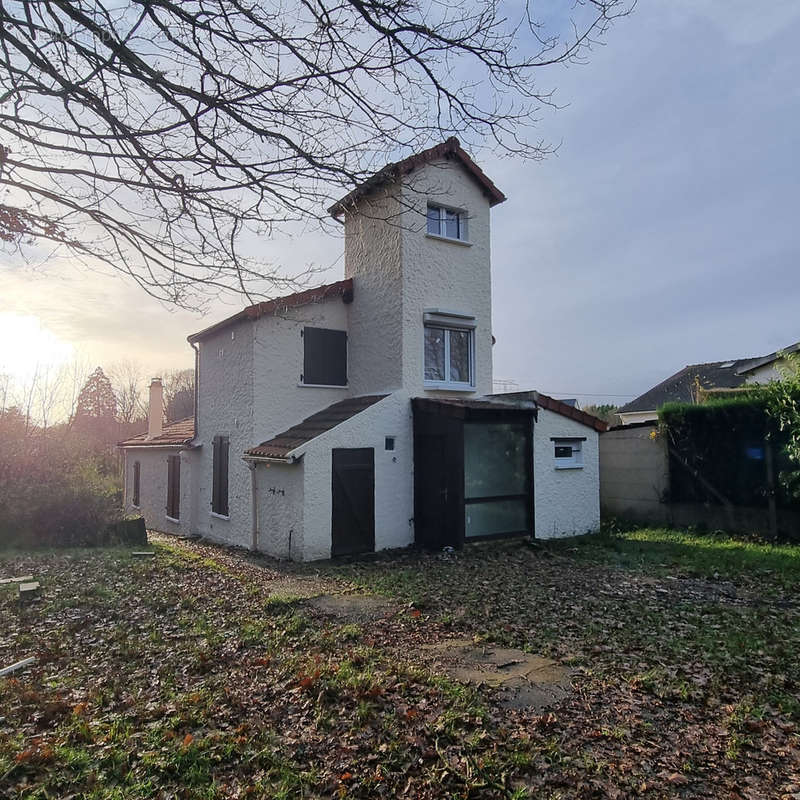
176, 433
281, 445
566, 410
451, 148
559, 407
318, 294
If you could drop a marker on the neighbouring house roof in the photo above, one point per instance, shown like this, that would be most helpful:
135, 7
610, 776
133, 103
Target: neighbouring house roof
176, 434
558, 407
681, 387
449, 149
318, 294
280, 446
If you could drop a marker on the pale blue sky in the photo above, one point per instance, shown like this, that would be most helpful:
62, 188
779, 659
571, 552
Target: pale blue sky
664, 232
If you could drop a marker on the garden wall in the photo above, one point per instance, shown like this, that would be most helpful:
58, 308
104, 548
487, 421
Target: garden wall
635, 485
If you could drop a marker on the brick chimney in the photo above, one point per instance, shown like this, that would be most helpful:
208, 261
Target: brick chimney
155, 413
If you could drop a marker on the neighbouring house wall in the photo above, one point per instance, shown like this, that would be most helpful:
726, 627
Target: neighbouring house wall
634, 474
767, 373
637, 417
153, 489
225, 408
451, 276
280, 493
394, 494
372, 248
279, 400
566, 501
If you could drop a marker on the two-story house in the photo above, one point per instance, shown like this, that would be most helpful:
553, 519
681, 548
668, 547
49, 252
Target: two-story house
358, 416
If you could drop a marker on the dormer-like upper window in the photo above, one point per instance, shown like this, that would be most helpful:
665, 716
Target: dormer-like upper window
447, 222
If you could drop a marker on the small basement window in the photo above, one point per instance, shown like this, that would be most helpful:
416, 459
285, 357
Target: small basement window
447, 222
324, 357
388, 443
568, 453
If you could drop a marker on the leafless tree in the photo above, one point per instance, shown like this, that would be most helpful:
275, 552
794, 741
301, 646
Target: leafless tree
127, 380
73, 377
178, 393
160, 137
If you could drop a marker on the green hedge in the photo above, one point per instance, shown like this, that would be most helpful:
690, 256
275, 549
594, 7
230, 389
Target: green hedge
724, 440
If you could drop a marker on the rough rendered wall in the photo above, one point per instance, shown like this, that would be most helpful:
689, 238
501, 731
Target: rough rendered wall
443, 274
278, 398
226, 408
634, 474
567, 501
153, 489
373, 239
280, 509
394, 495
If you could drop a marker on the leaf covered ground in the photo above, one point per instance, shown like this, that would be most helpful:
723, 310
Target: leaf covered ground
203, 673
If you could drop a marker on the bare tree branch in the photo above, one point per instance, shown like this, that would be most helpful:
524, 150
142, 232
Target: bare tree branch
164, 138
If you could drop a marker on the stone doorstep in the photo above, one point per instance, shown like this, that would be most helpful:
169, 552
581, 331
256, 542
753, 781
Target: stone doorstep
22, 579
143, 554
26, 662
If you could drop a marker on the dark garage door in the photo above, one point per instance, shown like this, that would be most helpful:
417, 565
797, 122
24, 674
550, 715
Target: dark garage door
353, 522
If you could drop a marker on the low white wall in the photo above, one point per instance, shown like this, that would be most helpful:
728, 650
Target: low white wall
394, 476
279, 490
566, 501
153, 489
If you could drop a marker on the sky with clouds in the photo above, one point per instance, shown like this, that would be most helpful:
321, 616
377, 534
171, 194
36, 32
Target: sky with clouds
663, 232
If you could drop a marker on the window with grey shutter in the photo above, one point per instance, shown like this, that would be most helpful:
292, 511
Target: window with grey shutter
174, 487
324, 357
136, 482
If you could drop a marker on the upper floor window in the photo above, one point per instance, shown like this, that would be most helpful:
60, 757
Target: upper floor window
324, 357
449, 351
447, 222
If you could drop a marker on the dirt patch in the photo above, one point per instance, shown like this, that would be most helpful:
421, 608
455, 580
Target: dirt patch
525, 680
353, 607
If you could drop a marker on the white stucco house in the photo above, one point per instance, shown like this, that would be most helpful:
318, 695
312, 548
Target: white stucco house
358, 416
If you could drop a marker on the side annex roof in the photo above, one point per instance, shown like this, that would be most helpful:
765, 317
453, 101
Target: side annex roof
318, 294
176, 434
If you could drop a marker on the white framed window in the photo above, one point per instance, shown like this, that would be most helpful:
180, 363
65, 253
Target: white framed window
449, 357
568, 452
449, 223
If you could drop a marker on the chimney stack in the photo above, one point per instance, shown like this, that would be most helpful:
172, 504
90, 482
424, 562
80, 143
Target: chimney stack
155, 413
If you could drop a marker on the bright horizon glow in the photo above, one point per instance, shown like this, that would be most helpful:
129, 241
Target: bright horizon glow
29, 347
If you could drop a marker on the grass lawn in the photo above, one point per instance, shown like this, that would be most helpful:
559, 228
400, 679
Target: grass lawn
203, 674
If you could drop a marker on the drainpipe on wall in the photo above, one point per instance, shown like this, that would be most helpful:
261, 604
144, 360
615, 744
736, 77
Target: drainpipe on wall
253, 493
196, 347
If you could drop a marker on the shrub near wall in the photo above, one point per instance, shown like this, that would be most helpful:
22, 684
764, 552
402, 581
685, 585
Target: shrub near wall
725, 441
55, 492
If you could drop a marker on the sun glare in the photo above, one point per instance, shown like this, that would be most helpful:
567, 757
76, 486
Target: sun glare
27, 346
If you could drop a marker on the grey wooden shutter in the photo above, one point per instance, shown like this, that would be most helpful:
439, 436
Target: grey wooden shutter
219, 489
174, 487
324, 357
136, 482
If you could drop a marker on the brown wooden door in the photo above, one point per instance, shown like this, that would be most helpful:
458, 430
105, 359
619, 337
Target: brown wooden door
353, 501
